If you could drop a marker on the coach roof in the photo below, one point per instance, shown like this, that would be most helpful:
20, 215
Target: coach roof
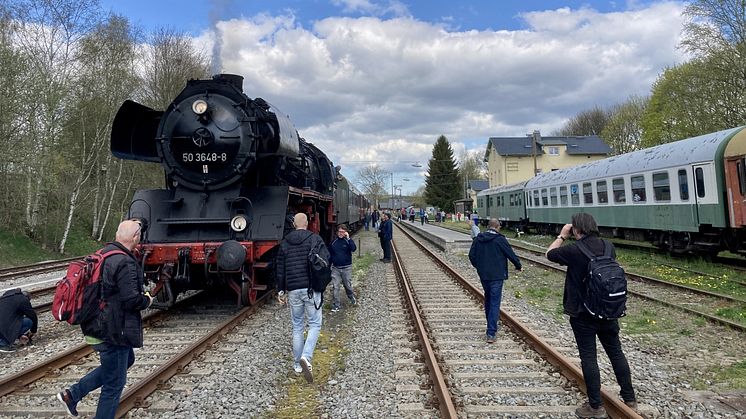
680, 153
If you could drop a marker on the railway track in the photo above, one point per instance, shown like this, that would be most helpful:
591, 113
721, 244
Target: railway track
689, 299
174, 339
469, 377
35, 269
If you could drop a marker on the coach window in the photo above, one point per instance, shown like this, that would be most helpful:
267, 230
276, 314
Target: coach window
553, 196
661, 187
574, 194
699, 178
618, 186
603, 195
563, 196
638, 188
544, 198
528, 200
683, 185
587, 193
512, 199
536, 198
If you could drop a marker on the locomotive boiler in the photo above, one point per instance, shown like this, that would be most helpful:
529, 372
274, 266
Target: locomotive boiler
235, 173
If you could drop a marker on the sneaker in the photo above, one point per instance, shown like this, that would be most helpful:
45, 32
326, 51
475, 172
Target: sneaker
297, 368
7, 349
67, 399
307, 369
353, 300
386, 260
586, 411
335, 309
490, 339
632, 404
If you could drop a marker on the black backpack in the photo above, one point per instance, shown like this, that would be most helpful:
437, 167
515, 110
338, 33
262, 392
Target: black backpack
320, 272
605, 295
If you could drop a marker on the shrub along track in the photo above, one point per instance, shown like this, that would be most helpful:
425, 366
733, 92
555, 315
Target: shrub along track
469, 376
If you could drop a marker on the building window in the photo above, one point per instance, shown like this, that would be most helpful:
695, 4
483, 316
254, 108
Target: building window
588, 193
638, 188
618, 186
563, 196
601, 192
512, 167
574, 194
661, 187
553, 151
544, 198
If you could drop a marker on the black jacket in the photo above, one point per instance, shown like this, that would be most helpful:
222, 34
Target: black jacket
577, 269
387, 230
489, 253
120, 323
291, 271
13, 307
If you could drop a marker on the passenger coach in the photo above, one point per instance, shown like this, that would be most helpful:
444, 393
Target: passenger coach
688, 195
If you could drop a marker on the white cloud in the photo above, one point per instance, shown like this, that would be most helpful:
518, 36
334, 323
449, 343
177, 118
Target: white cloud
373, 89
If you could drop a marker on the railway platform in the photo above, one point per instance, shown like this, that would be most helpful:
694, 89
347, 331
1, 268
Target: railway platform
445, 239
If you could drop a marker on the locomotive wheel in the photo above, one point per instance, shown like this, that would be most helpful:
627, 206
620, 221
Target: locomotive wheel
248, 293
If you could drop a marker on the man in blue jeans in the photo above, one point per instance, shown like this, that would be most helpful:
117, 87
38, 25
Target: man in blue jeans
584, 326
17, 319
489, 253
117, 330
293, 283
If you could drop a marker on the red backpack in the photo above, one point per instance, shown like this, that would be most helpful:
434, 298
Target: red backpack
78, 295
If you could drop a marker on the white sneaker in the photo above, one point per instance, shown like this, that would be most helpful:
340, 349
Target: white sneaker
297, 368
307, 369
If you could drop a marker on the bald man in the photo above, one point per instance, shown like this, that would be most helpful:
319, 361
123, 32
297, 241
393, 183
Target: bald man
119, 327
293, 283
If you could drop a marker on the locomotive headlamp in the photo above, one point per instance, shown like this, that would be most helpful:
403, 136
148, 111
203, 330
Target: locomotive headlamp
238, 223
199, 106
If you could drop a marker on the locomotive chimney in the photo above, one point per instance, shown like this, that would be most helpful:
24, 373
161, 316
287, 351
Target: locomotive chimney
233, 79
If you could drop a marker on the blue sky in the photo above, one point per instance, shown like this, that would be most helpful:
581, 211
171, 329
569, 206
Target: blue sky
377, 81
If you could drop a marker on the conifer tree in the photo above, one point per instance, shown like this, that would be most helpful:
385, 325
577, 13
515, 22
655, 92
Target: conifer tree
442, 181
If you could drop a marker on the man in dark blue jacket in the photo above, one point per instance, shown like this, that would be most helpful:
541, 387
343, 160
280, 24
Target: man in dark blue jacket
17, 318
489, 253
293, 282
341, 251
386, 233
118, 329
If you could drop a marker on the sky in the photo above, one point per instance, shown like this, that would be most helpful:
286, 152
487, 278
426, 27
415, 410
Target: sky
376, 82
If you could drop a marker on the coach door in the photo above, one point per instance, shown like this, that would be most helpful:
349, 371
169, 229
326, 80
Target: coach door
735, 179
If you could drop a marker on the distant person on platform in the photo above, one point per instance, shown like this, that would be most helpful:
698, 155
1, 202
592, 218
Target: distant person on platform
475, 218
374, 219
474, 229
293, 285
490, 253
341, 251
367, 220
422, 216
411, 215
385, 233
18, 319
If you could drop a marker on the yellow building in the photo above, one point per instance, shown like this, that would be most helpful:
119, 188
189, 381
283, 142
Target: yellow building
513, 159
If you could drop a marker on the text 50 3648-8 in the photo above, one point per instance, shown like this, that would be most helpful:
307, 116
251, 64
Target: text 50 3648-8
204, 157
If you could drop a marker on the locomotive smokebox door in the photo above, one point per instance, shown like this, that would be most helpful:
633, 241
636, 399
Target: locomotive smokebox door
231, 256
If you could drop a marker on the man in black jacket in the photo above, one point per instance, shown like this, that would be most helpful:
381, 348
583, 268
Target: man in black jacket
386, 234
17, 318
293, 283
117, 329
489, 253
584, 326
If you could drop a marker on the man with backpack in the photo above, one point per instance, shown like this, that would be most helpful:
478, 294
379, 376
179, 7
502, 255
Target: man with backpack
589, 260
17, 319
293, 283
115, 329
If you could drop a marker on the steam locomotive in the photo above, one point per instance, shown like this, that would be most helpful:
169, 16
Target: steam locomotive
236, 172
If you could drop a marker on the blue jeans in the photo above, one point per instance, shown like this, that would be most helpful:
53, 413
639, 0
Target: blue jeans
586, 328
493, 292
26, 324
341, 277
110, 376
301, 306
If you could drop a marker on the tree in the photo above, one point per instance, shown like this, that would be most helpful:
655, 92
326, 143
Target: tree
587, 122
442, 181
471, 167
623, 132
371, 180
